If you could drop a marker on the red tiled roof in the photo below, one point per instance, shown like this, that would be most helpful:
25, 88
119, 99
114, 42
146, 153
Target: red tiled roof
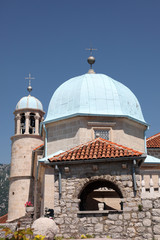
38, 147
96, 149
4, 218
154, 141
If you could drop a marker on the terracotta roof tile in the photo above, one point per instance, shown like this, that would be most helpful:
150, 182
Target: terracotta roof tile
154, 141
4, 218
96, 149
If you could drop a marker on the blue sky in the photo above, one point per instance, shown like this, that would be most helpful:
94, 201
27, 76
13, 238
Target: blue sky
49, 38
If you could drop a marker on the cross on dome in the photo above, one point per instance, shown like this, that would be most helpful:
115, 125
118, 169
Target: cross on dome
91, 49
91, 59
29, 86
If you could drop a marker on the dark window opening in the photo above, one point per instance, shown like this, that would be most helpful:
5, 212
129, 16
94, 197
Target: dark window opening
101, 193
32, 123
23, 123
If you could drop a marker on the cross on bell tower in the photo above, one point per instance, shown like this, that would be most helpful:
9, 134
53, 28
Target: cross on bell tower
29, 86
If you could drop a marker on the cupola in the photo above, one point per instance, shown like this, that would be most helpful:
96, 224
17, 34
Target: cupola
28, 113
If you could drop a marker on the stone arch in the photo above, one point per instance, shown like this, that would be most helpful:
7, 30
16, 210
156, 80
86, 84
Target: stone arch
100, 187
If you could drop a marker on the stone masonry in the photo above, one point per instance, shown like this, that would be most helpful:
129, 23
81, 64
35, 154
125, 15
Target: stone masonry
140, 218
129, 224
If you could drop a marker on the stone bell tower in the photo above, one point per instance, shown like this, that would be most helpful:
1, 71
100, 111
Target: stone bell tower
28, 116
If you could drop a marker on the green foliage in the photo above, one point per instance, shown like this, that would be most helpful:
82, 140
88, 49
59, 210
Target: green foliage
89, 236
83, 236
58, 238
140, 208
39, 237
20, 234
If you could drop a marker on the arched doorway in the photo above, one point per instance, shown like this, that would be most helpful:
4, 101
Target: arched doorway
100, 191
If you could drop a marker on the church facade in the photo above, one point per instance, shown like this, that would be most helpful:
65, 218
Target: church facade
89, 166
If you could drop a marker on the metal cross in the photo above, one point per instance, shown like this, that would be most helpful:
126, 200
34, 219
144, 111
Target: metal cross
30, 78
91, 49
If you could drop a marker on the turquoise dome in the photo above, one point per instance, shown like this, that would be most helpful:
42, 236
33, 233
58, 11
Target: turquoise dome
93, 95
29, 102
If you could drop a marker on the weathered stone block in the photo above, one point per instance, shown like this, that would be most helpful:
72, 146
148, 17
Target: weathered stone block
57, 210
134, 215
156, 229
130, 224
127, 216
156, 203
141, 215
156, 237
156, 212
83, 219
147, 222
113, 216
94, 220
99, 227
108, 222
156, 219
116, 235
118, 223
148, 236
68, 220
45, 227
138, 224
131, 232
148, 214
59, 221
147, 204
106, 228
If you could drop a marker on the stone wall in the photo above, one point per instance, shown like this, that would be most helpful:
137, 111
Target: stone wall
131, 224
154, 152
127, 224
134, 222
69, 133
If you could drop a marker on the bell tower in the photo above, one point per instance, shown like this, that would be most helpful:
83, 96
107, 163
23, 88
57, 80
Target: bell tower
28, 116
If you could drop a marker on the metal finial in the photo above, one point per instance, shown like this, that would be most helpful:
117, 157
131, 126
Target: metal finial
91, 59
29, 86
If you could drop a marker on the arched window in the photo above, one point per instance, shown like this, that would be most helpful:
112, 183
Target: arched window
32, 123
100, 191
23, 123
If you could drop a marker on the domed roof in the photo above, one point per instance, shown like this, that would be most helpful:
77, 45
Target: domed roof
93, 95
29, 102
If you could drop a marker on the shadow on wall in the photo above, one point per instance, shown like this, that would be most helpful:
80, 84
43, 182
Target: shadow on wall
100, 191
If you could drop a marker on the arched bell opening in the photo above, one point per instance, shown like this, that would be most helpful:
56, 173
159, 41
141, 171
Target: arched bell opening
22, 123
32, 123
101, 191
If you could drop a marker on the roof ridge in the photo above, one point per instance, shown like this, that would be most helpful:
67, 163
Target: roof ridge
92, 141
155, 135
119, 145
41, 145
74, 148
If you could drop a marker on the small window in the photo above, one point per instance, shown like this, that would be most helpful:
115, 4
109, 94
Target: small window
101, 133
